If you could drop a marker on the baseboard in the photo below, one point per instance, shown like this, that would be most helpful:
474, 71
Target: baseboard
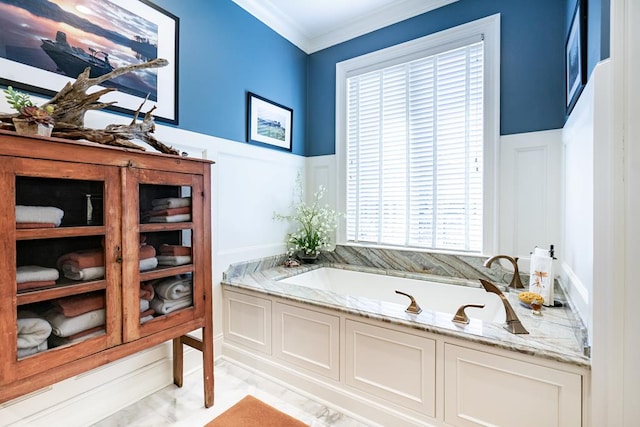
330, 393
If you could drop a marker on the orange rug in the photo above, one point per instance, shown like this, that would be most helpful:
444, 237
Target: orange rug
251, 412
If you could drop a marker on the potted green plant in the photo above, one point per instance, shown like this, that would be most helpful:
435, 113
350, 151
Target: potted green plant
314, 225
31, 119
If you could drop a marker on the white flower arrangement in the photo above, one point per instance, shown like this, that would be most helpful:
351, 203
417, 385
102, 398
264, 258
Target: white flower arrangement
315, 224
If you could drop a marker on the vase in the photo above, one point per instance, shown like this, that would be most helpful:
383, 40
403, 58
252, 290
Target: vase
26, 127
307, 258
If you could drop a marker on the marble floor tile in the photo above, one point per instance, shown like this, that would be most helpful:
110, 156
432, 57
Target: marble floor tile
183, 407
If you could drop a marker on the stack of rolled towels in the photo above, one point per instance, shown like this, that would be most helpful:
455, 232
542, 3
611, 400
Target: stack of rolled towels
35, 276
146, 296
172, 293
89, 264
76, 318
174, 255
33, 333
38, 216
82, 265
170, 209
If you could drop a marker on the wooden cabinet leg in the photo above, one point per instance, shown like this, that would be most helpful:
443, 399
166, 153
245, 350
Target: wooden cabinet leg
207, 365
178, 365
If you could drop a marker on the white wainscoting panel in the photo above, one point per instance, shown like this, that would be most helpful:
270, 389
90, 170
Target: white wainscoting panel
392, 365
578, 220
530, 184
308, 338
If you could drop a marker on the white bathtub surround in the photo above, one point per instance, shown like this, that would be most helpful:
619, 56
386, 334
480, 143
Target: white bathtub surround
554, 335
373, 359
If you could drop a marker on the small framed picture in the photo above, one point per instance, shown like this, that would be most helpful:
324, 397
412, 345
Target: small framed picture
268, 123
576, 56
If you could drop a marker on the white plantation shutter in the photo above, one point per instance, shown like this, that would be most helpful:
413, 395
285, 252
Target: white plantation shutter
415, 152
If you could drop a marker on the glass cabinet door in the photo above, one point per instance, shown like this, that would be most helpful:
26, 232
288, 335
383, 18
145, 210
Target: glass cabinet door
162, 252
61, 273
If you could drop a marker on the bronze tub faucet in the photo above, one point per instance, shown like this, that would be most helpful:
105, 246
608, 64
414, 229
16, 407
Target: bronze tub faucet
516, 283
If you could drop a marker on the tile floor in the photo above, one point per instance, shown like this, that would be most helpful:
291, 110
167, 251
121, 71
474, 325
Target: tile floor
183, 407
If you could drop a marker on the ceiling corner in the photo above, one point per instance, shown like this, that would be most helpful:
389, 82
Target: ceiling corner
279, 22
341, 28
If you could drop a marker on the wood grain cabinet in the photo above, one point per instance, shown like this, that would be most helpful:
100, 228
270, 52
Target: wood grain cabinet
109, 247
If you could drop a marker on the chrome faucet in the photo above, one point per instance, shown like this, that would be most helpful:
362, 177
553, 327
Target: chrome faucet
516, 283
513, 324
413, 307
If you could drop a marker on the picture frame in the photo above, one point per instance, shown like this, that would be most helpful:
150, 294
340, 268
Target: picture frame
48, 45
576, 55
269, 123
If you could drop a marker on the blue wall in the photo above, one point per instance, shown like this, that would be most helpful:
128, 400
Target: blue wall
532, 64
225, 52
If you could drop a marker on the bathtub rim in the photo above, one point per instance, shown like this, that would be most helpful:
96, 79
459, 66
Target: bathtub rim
492, 334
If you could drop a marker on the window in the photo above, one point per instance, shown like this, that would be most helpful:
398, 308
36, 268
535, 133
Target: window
413, 143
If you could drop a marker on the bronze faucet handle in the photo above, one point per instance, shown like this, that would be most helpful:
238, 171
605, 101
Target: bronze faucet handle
461, 316
413, 308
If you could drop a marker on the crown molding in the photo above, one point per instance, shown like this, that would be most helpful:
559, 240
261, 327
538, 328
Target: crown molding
280, 22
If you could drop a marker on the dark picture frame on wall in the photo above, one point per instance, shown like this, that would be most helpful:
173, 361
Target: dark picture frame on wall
576, 55
269, 123
47, 44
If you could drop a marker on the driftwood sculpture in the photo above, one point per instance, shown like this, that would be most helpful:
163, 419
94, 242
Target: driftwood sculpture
73, 101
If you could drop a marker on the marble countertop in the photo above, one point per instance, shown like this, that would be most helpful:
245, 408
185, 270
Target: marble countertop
556, 334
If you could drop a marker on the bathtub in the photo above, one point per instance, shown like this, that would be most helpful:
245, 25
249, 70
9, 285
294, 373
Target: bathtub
343, 336
429, 294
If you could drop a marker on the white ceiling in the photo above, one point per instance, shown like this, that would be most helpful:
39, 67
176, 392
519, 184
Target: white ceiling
313, 25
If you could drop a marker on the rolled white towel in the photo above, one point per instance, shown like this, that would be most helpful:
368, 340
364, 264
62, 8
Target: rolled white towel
144, 305
145, 319
174, 288
148, 263
174, 259
44, 214
35, 273
24, 352
89, 273
32, 330
171, 218
65, 326
165, 306
170, 202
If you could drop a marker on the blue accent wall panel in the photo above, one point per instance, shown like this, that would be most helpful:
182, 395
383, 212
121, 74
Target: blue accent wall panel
225, 52
532, 64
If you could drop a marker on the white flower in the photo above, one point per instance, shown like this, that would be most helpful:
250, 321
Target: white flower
313, 221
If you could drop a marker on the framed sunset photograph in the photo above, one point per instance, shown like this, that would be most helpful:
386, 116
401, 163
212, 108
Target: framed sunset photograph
46, 43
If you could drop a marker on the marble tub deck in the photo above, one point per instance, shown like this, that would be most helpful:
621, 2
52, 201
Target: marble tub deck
556, 334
